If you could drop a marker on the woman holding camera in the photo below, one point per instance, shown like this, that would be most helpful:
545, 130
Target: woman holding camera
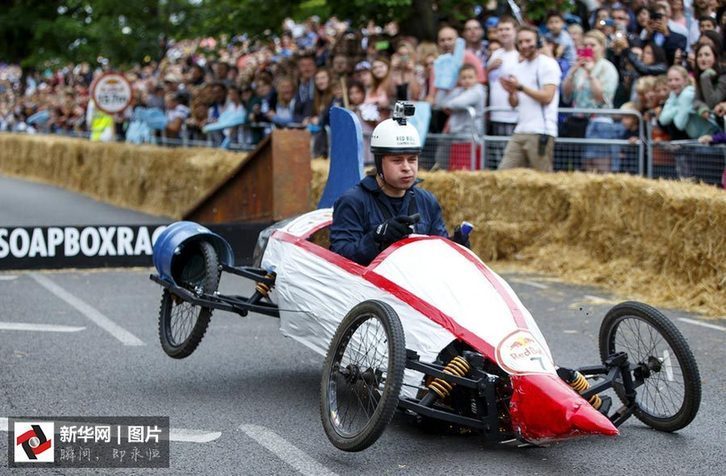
591, 84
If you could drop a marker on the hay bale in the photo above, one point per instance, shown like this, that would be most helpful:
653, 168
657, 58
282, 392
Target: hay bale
156, 180
320, 177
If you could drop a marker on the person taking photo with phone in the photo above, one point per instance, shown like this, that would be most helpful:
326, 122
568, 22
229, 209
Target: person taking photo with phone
591, 84
660, 33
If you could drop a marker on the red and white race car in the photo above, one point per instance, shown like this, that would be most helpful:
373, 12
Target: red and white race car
428, 329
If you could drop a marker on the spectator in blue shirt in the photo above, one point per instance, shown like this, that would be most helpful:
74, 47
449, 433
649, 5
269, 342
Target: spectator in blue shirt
556, 32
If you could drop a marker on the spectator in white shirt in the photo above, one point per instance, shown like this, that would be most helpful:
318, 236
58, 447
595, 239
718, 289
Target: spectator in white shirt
533, 88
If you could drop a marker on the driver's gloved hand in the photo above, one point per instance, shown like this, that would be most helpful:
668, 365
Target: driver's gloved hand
393, 230
460, 238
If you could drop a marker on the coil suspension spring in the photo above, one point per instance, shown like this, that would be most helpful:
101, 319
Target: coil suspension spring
580, 384
264, 288
459, 367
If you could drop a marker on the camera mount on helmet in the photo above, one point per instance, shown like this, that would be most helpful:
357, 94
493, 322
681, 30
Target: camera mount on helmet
402, 110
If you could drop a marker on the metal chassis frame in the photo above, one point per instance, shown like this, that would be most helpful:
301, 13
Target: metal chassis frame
238, 304
617, 373
481, 382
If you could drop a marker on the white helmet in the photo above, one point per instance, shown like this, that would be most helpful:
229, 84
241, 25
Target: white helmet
396, 135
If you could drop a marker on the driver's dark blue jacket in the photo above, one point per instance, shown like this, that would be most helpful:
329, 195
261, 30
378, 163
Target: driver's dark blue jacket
357, 213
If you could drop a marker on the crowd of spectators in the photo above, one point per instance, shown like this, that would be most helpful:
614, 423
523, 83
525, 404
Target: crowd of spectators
661, 58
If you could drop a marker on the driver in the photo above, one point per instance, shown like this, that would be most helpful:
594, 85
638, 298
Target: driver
388, 206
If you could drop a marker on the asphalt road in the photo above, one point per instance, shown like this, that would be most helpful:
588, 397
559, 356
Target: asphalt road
26, 203
254, 394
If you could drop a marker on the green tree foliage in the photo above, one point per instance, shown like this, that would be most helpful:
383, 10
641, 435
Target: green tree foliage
40, 33
51, 32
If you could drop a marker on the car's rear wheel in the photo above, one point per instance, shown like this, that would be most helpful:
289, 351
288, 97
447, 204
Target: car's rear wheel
670, 396
362, 376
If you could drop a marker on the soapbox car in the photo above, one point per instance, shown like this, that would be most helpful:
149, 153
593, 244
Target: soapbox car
428, 329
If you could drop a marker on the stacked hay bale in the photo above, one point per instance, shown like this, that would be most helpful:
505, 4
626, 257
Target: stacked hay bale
156, 180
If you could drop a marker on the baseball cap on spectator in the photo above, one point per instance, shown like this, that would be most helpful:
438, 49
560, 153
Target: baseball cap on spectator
172, 78
491, 22
363, 66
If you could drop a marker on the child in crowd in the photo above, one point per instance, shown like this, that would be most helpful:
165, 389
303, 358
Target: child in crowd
493, 46
356, 97
660, 86
678, 113
627, 157
577, 34
456, 102
679, 116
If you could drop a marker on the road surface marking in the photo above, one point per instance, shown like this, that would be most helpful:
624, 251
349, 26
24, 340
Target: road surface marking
8, 277
528, 283
533, 284
89, 311
21, 326
193, 436
175, 434
597, 299
702, 324
286, 451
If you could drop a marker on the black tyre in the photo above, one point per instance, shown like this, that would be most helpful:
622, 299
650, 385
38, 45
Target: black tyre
182, 324
362, 376
670, 397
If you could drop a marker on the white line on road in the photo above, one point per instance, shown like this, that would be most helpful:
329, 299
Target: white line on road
597, 299
530, 283
3, 424
193, 436
22, 326
702, 324
89, 311
286, 451
8, 277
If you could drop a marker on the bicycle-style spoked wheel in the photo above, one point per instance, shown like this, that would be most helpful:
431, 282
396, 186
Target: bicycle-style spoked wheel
362, 376
670, 396
181, 323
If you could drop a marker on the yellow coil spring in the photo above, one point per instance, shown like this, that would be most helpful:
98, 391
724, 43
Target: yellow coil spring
580, 385
263, 288
457, 366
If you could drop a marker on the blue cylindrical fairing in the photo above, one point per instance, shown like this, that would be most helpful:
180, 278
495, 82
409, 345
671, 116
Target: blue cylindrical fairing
176, 236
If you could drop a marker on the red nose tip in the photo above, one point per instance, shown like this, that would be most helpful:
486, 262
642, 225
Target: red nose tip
588, 420
544, 408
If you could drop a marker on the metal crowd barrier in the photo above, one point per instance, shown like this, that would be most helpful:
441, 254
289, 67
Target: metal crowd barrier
574, 153
688, 160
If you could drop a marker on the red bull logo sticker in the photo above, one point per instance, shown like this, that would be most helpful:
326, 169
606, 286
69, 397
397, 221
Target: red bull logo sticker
520, 353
